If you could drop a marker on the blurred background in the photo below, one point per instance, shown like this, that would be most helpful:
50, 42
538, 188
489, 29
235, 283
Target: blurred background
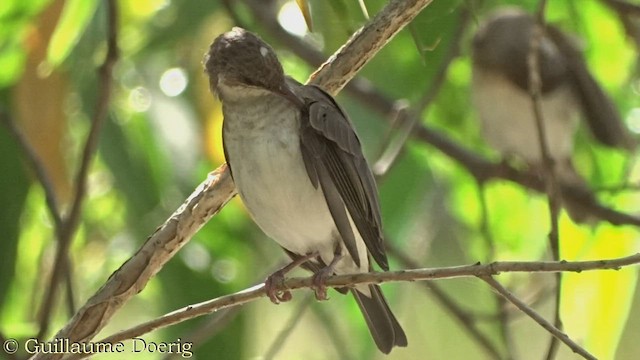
161, 136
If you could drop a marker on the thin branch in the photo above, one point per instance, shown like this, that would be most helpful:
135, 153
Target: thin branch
70, 223
551, 180
204, 202
38, 168
169, 238
476, 270
535, 91
365, 43
537, 318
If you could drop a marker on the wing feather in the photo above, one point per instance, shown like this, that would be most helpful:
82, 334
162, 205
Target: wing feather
333, 155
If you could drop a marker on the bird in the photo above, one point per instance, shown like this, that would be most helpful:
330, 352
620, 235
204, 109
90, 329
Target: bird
298, 167
500, 94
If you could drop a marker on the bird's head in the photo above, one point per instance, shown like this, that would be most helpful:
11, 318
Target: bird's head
240, 58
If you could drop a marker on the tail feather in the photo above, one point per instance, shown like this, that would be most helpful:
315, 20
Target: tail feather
573, 183
383, 325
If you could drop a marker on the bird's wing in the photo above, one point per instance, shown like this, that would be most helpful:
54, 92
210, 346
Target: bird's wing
333, 159
601, 113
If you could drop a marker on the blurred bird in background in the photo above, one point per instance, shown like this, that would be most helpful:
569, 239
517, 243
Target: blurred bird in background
500, 94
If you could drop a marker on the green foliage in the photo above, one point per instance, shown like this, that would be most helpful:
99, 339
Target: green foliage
13, 196
153, 152
72, 24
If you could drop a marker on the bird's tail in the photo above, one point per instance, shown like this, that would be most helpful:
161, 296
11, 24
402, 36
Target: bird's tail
572, 182
383, 325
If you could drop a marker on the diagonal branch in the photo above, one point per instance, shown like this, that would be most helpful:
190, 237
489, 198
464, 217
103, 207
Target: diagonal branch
218, 189
364, 44
557, 333
38, 168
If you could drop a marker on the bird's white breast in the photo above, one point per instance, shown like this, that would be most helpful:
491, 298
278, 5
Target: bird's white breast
508, 121
263, 149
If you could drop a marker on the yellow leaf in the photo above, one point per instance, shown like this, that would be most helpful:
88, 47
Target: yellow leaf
38, 102
595, 304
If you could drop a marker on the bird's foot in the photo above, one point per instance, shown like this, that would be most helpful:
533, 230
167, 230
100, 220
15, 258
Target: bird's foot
272, 285
320, 279
275, 281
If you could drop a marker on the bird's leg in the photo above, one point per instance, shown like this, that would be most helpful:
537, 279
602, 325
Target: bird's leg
320, 277
275, 280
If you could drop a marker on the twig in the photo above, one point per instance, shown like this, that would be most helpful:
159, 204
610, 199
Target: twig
535, 90
365, 43
476, 270
70, 223
537, 318
40, 172
95, 314
551, 181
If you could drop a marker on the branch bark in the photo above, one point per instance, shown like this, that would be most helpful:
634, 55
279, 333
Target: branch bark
218, 189
475, 270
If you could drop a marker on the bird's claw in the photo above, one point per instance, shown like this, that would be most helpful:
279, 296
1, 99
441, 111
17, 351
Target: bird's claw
319, 280
272, 285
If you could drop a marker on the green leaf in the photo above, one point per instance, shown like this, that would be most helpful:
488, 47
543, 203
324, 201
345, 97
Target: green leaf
13, 192
73, 21
12, 60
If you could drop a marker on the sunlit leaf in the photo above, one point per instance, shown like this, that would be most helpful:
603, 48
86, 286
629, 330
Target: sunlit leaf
73, 21
11, 64
596, 304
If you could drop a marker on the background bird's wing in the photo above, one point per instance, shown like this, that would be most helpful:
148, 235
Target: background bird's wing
333, 159
601, 113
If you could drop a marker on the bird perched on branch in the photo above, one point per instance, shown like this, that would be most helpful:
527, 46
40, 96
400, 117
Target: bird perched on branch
501, 95
298, 166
